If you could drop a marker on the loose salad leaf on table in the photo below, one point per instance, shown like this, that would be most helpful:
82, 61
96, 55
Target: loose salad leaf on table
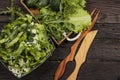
24, 45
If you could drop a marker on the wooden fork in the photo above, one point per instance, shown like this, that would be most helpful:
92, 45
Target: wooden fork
61, 68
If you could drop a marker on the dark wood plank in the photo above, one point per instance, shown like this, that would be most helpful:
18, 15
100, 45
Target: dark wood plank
108, 31
99, 71
105, 50
105, 46
4, 18
102, 49
95, 71
5, 74
110, 10
103, 59
4, 4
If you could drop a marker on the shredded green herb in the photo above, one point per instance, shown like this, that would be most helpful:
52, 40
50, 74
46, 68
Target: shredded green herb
24, 45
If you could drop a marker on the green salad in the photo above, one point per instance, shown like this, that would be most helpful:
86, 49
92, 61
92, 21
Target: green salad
24, 45
61, 16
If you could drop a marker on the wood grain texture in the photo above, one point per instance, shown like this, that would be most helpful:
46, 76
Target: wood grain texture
99, 71
103, 59
61, 68
80, 57
110, 10
107, 43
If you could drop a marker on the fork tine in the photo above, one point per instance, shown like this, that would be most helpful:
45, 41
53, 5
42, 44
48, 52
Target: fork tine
93, 12
96, 17
94, 20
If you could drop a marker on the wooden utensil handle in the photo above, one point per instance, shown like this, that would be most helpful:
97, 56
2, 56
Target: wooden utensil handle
61, 68
82, 52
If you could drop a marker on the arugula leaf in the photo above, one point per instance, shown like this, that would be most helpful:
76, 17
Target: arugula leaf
71, 17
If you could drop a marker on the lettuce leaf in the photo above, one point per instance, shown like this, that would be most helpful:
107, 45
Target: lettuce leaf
81, 20
71, 17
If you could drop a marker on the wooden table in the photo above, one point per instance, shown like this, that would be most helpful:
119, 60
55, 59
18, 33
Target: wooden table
103, 59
